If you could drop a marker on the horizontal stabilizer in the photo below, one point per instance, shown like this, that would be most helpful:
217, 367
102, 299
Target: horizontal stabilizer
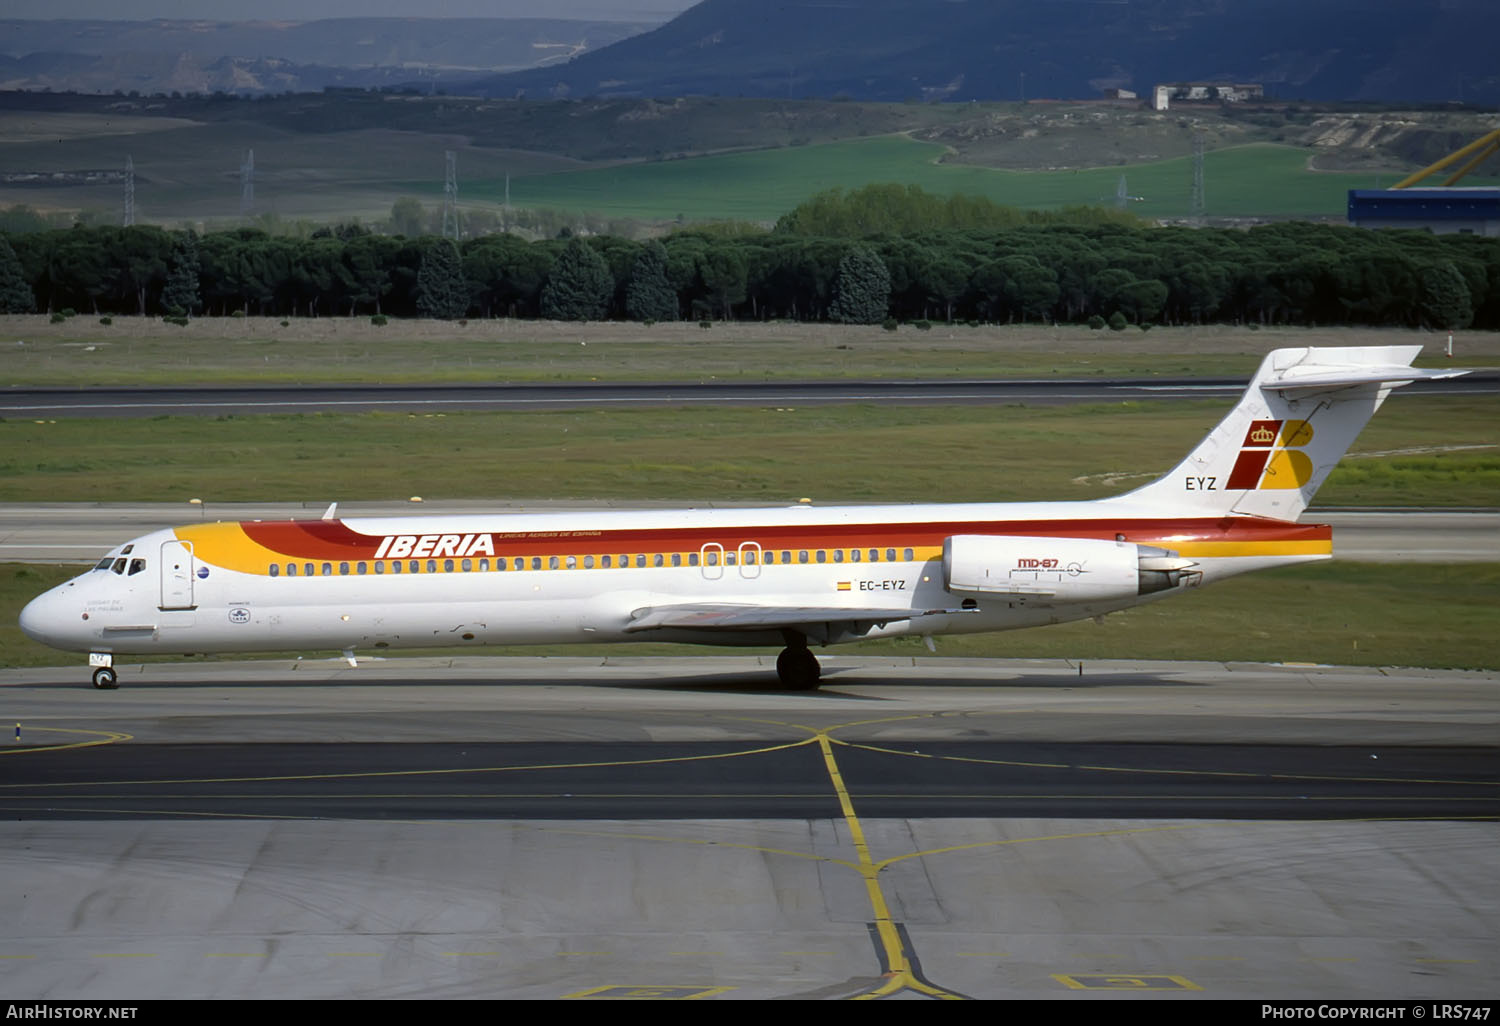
1304, 378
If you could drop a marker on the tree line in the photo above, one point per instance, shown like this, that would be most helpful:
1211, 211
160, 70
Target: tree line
822, 262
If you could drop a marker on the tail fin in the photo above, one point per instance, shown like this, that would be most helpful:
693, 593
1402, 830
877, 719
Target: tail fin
1299, 415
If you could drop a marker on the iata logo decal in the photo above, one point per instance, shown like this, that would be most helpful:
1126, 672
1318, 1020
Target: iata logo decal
1271, 456
239, 615
397, 546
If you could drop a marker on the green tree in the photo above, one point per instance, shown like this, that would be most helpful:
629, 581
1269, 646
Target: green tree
579, 287
861, 289
1446, 303
442, 291
15, 293
725, 277
180, 295
649, 296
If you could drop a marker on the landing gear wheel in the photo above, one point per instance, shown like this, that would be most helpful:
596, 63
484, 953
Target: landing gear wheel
798, 669
105, 679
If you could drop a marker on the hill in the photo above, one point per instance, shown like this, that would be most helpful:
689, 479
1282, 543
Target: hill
258, 57
897, 50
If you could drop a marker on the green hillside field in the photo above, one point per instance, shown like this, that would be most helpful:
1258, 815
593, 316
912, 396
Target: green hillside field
1259, 180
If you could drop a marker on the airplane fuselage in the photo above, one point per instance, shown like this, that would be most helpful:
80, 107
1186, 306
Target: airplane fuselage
414, 582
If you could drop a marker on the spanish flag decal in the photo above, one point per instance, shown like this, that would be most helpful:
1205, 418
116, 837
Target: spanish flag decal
844, 585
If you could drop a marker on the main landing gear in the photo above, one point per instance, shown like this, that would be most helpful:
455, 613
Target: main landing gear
796, 666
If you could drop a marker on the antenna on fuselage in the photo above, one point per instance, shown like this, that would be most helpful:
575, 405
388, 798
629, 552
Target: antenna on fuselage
330, 511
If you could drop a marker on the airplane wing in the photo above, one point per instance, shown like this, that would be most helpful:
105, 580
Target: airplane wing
726, 617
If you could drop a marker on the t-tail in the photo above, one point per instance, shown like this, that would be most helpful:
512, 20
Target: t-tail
1299, 415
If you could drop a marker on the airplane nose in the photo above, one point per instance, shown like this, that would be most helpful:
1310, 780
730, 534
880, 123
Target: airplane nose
42, 619
31, 620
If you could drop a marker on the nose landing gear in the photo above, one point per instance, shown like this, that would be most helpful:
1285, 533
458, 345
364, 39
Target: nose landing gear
105, 678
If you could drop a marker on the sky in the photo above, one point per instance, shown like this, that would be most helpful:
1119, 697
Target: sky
312, 10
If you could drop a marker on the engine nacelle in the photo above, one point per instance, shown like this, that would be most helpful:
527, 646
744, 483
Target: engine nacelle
1059, 569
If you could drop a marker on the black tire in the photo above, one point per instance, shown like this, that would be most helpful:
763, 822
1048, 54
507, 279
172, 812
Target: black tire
798, 669
105, 678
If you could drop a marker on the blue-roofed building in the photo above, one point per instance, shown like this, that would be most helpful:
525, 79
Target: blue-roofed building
1440, 211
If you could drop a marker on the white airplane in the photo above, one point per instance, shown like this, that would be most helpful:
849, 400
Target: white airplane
776, 576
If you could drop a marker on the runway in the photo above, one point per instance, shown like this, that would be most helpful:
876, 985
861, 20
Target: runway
239, 401
552, 828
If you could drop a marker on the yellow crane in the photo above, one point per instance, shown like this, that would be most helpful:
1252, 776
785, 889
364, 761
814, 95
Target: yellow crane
1481, 148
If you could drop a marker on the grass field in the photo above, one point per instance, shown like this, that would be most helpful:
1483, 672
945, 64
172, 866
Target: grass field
229, 350
1262, 180
1345, 613
831, 454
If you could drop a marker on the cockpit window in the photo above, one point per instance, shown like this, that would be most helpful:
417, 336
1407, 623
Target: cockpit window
136, 566
104, 563
119, 565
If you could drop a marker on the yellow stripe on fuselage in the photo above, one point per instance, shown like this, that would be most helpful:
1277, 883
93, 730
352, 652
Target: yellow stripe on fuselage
1317, 547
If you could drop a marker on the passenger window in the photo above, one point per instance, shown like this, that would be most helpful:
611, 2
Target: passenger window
327, 569
552, 563
468, 565
770, 556
838, 555
380, 566
432, 566
447, 566
588, 562
136, 566
484, 565
500, 563
658, 560
396, 566
749, 556
414, 566
359, 568
822, 556
343, 569
692, 559
854, 555
786, 557
275, 570
874, 555
291, 569
890, 555
604, 562
640, 559
676, 559
910, 555
713, 559
307, 569
536, 562
729, 559
802, 555
572, 562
